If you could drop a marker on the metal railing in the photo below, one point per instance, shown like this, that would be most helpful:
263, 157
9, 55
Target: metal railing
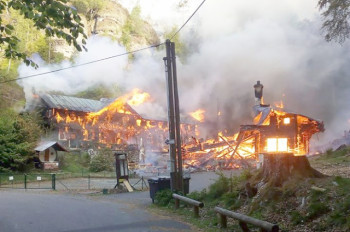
244, 220
28, 181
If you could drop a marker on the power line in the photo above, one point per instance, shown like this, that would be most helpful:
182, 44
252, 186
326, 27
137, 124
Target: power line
106, 58
82, 64
200, 5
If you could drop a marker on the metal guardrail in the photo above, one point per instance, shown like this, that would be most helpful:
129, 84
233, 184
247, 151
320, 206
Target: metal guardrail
196, 204
244, 220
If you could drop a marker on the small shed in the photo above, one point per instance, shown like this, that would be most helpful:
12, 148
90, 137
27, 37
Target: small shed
47, 154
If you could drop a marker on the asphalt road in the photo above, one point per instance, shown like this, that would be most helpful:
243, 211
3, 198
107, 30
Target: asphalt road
47, 211
51, 212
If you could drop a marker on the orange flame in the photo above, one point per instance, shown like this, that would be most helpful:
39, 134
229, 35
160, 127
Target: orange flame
279, 104
198, 115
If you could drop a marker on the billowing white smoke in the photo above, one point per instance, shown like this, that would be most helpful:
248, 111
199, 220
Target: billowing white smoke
238, 42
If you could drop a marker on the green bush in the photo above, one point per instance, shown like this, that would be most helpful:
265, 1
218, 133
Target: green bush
103, 161
218, 188
163, 197
75, 163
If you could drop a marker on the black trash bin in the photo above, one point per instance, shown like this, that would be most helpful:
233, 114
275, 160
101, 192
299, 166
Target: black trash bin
157, 184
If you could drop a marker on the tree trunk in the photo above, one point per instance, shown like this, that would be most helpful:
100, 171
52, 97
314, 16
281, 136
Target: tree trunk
278, 168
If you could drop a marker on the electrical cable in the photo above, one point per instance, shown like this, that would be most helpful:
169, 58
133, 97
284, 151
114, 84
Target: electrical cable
106, 58
82, 64
200, 5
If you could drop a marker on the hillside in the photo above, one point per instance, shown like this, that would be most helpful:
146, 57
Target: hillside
300, 204
102, 17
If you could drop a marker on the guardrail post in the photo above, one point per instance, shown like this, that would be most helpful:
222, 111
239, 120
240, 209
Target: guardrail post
25, 181
223, 221
196, 211
177, 203
244, 226
53, 178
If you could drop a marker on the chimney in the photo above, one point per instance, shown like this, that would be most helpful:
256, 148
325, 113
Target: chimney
258, 90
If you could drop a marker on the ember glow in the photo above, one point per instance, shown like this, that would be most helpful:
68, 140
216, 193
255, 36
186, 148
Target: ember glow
198, 115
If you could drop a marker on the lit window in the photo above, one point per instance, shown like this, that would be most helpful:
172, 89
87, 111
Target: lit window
277, 144
286, 121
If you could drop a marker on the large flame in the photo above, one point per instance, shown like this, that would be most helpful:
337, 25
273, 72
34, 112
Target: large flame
117, 123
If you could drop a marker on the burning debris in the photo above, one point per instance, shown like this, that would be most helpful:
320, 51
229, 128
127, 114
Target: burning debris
275, 130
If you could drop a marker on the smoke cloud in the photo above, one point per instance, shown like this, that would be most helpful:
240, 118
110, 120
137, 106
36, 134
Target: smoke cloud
237, 43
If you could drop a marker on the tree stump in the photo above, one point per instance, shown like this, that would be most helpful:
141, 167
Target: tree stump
278, 168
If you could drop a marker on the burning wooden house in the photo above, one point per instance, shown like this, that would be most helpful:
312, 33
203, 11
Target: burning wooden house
90, 124
275, 130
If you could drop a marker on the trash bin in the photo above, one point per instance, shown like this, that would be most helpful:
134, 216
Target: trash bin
157, 184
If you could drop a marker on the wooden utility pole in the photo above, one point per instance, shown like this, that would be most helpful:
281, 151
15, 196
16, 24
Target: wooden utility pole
171, 116
174, 118
177, 120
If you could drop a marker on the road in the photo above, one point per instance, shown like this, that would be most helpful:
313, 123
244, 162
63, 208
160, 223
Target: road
42, 211
47, 211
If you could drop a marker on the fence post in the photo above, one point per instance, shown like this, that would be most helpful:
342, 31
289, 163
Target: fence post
53, 178
89, 181
25, 181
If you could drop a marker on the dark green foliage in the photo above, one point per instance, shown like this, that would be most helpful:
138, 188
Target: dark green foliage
336, 15
163, 197
220, 187
18, 137
103, 161
55, 17
198, 196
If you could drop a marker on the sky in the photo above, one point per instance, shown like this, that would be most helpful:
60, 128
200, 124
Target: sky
231, 45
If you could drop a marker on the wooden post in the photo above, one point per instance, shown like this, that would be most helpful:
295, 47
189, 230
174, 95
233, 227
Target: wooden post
244, 226
223, 220
177, 203
196, 211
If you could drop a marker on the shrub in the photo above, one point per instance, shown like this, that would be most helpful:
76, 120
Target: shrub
103, 161
163, 197
218, 188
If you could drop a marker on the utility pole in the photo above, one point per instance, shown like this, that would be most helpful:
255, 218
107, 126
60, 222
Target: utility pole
177, 120
171, 117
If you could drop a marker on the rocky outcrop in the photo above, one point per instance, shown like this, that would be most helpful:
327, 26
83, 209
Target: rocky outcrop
109, 21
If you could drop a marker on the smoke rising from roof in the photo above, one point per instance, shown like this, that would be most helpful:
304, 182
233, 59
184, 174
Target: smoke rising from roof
239, 42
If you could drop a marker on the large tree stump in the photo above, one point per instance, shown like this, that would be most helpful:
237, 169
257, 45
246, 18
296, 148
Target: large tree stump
277, 168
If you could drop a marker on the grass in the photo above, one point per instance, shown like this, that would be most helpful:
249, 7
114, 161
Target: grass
326, 210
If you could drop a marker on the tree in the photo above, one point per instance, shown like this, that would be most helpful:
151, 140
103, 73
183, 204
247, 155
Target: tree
336, 15
55, 17
18, 137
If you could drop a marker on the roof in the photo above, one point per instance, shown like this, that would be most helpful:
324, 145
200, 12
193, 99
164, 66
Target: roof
74, 103
45, 145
